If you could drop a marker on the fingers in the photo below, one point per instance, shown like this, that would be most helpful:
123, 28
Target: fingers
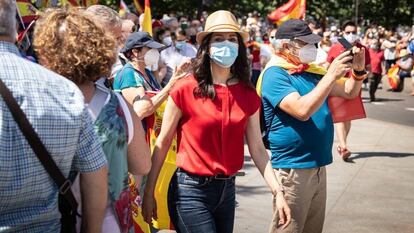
288, 217
282, 217
342, 55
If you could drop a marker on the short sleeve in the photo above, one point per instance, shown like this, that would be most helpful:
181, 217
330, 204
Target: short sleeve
276, 85
254, 103
127, 78
367, 57
89, 156
176, 94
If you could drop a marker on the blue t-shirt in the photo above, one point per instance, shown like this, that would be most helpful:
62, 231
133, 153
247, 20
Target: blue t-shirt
295, 143
128, 76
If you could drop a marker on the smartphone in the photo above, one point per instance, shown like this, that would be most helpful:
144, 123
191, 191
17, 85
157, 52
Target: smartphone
346, 44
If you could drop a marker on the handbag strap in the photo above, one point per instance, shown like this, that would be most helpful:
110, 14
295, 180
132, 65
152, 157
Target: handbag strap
38, 147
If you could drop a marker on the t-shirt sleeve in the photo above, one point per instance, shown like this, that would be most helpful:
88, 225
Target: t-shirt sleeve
129, 78
276, 85
177, 93
367, 57
255, 102
89, 156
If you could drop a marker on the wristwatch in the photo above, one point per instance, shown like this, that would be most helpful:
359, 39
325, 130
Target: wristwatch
359, 73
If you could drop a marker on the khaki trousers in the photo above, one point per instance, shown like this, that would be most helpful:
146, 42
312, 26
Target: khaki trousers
305, 193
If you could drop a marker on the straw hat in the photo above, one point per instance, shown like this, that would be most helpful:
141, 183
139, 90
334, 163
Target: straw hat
221, 21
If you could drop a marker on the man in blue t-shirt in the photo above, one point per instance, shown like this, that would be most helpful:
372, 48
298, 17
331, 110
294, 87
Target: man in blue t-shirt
299, 122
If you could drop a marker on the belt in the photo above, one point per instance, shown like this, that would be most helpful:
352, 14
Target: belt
209, 178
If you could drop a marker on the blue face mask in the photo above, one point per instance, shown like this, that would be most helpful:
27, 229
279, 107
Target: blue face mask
224, 53
180, 45
259, 39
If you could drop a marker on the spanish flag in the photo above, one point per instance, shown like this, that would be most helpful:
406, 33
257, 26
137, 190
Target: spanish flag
147, 23
293, 9
27, 11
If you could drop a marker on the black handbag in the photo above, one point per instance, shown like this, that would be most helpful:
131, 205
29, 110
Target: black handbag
67, 202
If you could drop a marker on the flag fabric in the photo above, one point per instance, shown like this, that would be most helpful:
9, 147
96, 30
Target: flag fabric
27, 11
123, 8
138, 6
147, 23
74, 3
293, 9
87, 3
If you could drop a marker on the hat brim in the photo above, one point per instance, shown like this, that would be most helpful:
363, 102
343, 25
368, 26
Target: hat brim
310, 39
201, 35
149, 44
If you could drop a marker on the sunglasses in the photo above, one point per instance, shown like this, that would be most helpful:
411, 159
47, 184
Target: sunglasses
272, 37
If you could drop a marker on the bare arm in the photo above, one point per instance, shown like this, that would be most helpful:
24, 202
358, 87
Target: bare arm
139, 155
171, 118
262, 162
94, 191
303, 107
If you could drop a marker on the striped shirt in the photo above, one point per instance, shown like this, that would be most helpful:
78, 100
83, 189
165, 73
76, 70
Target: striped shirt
55, 107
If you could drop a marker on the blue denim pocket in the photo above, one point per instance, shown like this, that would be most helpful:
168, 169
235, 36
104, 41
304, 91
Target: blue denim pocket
184, 179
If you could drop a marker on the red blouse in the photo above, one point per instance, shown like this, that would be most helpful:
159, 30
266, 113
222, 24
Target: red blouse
211, 132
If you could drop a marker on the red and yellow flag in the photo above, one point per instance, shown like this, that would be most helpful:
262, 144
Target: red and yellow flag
147, 23
27, 11
293, 9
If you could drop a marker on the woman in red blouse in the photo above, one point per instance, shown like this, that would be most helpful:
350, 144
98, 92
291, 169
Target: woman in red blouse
211, 110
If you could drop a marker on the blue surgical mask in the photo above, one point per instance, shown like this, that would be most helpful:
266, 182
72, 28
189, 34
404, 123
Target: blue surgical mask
180, 44
224, 53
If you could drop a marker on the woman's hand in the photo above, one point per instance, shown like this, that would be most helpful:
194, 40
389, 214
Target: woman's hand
284, 210
149, 208
181, 71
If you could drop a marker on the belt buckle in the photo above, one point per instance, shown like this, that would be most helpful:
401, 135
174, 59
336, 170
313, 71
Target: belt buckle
222, 177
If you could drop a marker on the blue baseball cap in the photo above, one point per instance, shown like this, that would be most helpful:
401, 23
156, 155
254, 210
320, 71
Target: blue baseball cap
139, 40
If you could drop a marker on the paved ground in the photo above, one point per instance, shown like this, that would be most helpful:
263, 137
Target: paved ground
374, 192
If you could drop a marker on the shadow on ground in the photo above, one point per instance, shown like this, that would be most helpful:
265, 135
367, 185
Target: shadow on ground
362, 155
384, 99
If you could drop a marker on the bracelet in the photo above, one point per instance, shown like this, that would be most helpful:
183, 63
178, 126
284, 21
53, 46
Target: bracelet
359, 73
358, 77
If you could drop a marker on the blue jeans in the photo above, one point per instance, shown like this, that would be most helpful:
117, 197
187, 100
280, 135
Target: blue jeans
201, 205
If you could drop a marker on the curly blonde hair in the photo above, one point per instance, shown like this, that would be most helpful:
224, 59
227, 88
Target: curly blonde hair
71, 44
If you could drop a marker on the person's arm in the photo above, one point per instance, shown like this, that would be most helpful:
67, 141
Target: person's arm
144, 107
170, 121
261, 160
94, 194
351, 87
303, 107
139, 155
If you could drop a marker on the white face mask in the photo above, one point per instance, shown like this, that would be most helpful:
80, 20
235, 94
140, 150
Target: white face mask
151, 57
351, 37
307, 54
167, 40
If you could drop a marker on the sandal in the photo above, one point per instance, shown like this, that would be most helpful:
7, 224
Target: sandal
343, 152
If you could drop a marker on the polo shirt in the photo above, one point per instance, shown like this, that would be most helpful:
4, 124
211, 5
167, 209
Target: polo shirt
294, 143
210, 132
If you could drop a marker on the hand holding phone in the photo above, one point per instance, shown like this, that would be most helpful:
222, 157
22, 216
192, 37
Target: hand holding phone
348, 46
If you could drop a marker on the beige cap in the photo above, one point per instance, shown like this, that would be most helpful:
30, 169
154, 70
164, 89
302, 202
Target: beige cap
221, 21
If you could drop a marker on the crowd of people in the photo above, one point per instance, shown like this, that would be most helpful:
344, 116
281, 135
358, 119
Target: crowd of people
93, 77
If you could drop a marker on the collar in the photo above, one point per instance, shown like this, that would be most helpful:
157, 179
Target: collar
300, 67
7, 47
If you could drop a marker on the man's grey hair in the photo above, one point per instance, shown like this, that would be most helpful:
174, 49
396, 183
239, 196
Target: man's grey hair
8, 18
279, 43
105, 16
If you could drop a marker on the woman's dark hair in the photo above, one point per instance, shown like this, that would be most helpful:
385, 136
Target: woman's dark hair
202, 72
158, 33
128, 54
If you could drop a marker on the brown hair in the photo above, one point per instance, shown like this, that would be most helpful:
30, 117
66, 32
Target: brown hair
71, 44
